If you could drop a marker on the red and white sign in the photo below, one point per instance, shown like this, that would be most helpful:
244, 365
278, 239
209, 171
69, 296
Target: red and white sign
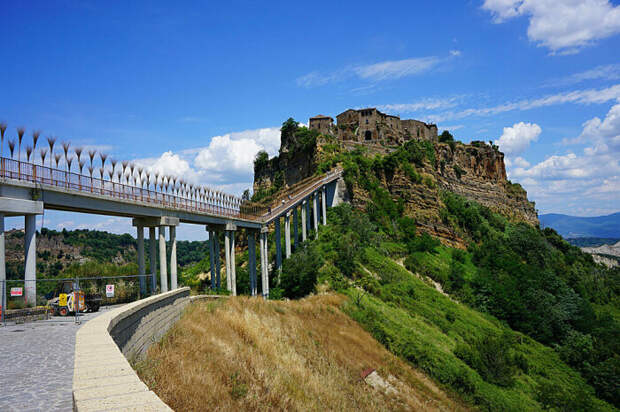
109, 291
17, 292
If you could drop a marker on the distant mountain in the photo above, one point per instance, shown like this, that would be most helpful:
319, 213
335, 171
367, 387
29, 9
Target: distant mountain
574, 226
592, 241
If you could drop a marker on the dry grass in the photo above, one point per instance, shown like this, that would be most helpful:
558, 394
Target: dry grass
248, 354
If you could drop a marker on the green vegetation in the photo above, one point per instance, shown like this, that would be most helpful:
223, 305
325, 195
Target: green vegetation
100, 254
525, 320
446, 137
296, 140
465, 347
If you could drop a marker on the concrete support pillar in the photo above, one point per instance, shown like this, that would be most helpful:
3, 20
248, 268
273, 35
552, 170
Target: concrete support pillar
218, 268
153, 259
315, 205
227, 258
308, 214
264, 256
173, 257
2, 268
233, 266
2, 253
324, 205
252, 261
231, 276
295, 228
212, 257
141, 272
278, 239
287, 234
163, 266
304, 220
30, 266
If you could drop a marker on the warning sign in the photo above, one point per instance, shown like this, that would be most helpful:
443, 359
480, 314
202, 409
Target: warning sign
17, 292
62, 299
109, 291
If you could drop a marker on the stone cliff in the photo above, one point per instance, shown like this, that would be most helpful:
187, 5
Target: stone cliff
475, 171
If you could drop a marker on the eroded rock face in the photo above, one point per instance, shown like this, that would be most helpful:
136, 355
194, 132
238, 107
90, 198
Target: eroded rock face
475, 171
482, 178
290, 168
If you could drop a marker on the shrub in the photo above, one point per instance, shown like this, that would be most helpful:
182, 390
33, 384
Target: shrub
458, 171
260, 161
423, 243
300, 272
445, 137
492, 357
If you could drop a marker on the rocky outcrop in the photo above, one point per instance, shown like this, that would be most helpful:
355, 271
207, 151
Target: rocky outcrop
285, 170
475, 171
478, 172
608, 255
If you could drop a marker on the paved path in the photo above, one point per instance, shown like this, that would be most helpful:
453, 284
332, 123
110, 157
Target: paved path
36, 365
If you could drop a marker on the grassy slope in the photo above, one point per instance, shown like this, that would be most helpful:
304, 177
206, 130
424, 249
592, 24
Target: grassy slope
424, 326
249, 354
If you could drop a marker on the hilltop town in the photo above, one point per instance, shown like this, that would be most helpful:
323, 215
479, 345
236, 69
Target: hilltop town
369, 125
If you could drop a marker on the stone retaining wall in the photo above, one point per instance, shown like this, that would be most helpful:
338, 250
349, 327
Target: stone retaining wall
103, 379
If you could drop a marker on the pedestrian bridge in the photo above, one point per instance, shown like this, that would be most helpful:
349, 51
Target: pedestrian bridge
157, 203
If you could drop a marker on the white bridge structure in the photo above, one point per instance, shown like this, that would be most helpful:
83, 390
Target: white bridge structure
27, 189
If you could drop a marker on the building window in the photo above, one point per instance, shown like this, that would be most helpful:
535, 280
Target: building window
368, 135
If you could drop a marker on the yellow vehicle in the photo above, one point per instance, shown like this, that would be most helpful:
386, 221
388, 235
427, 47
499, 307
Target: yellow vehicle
67, 300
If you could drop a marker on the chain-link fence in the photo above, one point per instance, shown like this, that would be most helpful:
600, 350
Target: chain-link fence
67, 299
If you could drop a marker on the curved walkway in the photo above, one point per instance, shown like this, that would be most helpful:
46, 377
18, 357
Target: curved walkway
36, 364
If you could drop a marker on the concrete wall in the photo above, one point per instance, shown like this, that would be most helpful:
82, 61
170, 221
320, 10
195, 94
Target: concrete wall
103, 379
136, 328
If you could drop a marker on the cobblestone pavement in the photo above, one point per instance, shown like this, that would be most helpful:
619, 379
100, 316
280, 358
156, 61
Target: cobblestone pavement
36, 364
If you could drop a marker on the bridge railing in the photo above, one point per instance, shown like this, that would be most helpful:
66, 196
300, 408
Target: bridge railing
283, 202
35, 173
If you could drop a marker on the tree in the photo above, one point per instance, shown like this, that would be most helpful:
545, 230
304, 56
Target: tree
299, 273
289, 127
446, 137
260, 160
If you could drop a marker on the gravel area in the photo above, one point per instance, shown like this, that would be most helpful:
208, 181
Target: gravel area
36, 364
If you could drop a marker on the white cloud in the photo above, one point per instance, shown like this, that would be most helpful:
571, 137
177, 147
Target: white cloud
604, 134
517, 138
579, 181
604, 72
396, 69
426, 104
517, 162
234, 152
225, 164
585, 96
376, 72
450, 127
563, 26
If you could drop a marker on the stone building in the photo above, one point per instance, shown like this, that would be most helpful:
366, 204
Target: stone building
371, 126
324, 124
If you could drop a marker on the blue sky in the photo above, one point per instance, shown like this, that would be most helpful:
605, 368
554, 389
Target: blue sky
198, 89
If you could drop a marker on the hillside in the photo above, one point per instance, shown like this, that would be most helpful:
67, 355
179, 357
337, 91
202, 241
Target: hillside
249, 354
608, 255
444, 263
574, 226
69, 253
416, 174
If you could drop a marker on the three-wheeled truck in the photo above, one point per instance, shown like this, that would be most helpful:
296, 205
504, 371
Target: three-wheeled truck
67, 298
